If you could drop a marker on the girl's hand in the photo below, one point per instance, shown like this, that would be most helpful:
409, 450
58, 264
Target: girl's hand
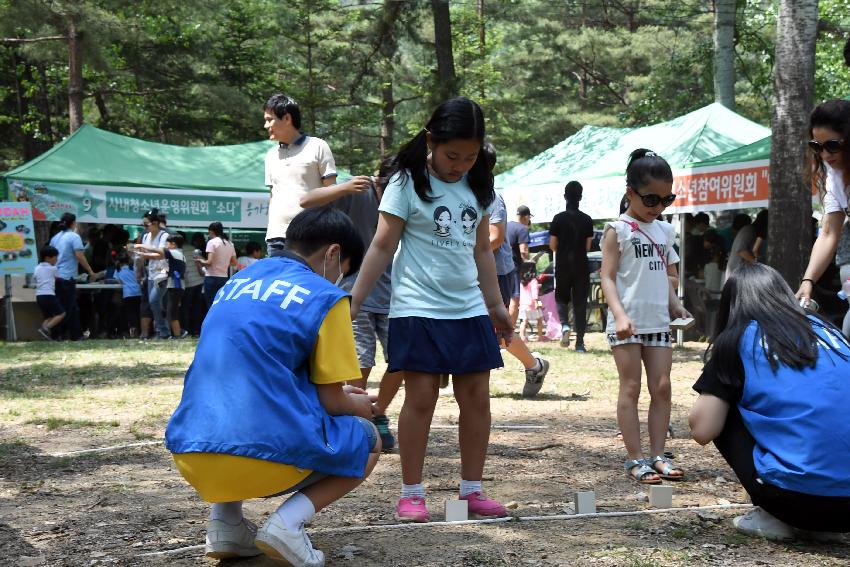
502, 322
624, 328
349, 389
805, 292
680, 313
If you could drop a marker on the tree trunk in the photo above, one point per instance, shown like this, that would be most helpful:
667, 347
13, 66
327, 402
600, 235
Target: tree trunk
27, 142
311, 83
724, 52
482, 46
790, 205
387, 119
446, 78
75, 75
46, 110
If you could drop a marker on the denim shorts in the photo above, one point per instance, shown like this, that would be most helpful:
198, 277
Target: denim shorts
369, 329
315, 476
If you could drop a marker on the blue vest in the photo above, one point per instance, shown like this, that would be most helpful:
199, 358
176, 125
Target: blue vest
247, 391
799, 418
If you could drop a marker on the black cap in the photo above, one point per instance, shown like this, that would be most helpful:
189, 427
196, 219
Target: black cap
523, 211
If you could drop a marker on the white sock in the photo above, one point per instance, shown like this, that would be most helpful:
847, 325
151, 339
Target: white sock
296, 511
227, 512
467, 487
408, 490
538, 366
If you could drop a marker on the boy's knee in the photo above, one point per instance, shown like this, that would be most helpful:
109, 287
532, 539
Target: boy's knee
376, 446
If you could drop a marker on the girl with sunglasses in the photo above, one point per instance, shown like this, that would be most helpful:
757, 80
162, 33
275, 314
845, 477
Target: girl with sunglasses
829, 127
638, 264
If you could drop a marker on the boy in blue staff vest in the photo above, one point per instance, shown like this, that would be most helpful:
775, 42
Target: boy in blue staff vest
264, 411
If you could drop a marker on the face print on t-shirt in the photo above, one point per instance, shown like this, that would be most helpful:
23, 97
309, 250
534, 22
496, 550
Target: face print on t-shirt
455, 224
443, 222
467, 220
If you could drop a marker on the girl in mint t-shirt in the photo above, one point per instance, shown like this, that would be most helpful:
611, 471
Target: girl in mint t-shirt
445, 296
638, 263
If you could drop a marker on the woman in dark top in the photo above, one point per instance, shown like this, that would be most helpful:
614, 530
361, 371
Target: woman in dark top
773, 398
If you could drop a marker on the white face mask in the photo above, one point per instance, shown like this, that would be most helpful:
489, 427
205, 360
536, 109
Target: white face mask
339, 266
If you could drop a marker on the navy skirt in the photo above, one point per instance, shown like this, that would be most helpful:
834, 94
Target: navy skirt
440, 346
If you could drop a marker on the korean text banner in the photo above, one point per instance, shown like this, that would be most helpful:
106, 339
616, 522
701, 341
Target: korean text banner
17, 239
126, 205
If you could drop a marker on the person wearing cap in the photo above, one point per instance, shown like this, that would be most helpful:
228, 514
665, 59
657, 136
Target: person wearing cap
570, 238
518, 236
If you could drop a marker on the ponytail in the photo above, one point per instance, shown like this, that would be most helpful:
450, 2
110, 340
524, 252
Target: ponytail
218, 229
66, 221
412, 159
456, 118
644, 166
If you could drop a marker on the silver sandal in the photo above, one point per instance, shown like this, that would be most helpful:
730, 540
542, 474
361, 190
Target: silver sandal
640, 474
666, 469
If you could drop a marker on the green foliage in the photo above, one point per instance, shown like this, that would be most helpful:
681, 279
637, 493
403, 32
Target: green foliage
198, 72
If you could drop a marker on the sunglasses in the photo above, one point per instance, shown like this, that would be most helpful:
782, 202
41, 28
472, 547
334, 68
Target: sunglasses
831, 146
652, 200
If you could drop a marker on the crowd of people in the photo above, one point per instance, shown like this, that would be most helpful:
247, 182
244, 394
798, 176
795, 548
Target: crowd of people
422, 251
422, 259
166, 282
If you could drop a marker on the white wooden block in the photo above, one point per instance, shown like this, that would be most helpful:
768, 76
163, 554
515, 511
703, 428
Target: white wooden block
457, 510
585, 502
661, 496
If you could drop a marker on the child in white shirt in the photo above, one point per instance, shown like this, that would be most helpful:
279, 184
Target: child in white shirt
45, 291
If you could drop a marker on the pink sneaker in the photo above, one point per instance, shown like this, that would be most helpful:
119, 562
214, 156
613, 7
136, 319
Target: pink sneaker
483, 507
412, 509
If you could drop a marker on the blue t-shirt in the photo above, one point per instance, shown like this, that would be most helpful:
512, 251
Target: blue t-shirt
798, 418
434, 271
248, 392
504, 260
129, 286
67, 243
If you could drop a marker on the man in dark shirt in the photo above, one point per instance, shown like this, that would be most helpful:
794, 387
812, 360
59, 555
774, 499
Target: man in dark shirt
570, 238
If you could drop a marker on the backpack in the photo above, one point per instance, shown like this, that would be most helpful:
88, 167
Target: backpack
176, 269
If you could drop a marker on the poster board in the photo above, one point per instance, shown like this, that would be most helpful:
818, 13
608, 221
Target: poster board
18, 254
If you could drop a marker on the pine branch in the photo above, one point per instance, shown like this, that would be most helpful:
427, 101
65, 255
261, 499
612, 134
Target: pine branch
20, 40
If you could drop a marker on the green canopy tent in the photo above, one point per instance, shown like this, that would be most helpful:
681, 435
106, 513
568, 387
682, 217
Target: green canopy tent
104, 177
597, 156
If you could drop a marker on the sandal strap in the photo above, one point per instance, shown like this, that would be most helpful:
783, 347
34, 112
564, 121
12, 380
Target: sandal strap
629, 465
642, 472
668, 464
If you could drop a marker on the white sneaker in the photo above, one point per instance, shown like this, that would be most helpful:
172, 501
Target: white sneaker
757, 522
288, 547
228, 541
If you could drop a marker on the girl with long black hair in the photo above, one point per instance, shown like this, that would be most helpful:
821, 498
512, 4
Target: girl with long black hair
773, 398
445, 296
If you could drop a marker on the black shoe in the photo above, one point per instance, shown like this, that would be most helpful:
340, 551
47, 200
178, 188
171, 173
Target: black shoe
580, 347
382, 423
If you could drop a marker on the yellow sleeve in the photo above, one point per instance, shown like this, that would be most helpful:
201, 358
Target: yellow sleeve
333, 358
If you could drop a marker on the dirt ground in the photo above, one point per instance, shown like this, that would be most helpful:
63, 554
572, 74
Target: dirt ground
111, 508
